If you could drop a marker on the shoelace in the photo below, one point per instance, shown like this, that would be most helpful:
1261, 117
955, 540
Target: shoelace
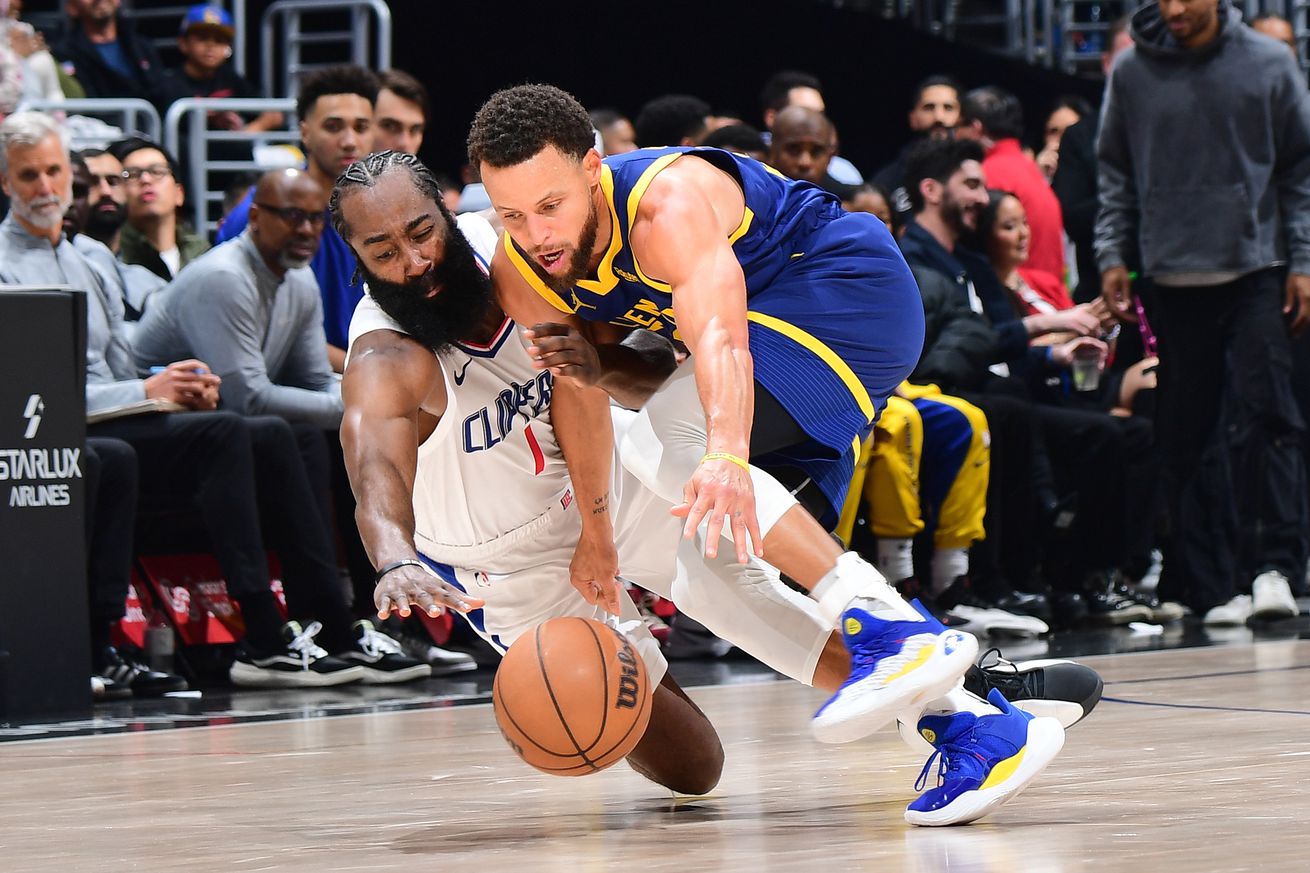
303, 644
938, 756
375, 644
992, 673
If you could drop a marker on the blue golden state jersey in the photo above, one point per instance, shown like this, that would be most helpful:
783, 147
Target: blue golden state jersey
779, 217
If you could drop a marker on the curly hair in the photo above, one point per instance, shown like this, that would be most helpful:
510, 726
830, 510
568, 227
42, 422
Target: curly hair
366, 173
517, 123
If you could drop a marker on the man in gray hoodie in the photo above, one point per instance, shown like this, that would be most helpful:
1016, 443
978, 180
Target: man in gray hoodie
1204, 159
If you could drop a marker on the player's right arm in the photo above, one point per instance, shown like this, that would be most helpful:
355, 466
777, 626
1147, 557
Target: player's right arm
389, 385
580, 417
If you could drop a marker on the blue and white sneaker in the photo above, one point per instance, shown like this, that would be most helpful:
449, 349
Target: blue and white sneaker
982, 761
894, 665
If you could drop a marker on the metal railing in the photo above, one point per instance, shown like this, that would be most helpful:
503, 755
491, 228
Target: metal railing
187, 124
1069, 35
370, 22
129, 114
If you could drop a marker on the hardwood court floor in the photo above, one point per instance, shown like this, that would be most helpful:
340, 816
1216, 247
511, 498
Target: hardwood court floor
1197, 760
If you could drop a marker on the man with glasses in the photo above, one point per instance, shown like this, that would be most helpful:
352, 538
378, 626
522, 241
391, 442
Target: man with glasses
154, 236
94, 223
251, 309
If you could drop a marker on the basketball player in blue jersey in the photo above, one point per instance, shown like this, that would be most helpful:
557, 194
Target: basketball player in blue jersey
800, 320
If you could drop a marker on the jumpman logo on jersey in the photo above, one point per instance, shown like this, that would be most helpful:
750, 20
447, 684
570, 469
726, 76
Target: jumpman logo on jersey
459, 376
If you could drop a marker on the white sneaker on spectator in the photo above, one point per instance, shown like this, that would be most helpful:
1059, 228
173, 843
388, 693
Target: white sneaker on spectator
1272, 597
299, 664
1234, 612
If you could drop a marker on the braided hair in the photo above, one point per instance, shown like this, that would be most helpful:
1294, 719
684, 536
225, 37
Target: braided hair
366, 173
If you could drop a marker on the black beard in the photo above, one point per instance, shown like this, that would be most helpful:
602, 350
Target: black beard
101, 225
579, 264
454, 313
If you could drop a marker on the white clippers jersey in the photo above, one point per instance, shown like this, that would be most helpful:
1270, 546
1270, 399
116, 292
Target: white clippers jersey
492, 465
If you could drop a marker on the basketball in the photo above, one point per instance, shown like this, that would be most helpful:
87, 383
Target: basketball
572, 697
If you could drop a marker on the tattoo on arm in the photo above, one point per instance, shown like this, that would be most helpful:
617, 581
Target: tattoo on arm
601, 505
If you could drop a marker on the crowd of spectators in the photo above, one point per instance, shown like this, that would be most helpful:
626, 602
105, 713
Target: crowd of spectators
1105, 395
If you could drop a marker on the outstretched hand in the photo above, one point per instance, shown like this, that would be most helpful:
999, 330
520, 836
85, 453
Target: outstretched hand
407, 587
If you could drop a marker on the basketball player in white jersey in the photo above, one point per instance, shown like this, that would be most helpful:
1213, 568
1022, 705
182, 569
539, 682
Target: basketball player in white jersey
465, 501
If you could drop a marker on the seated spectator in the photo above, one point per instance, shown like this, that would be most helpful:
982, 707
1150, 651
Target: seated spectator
402, 113
672, 120
934, 112
994, 118
740, 138
1003, 228
251, 309
793, 88
802, 147
205, 43
871, 199
1072, 461
1067, 112
223, 463
97, 212
154, 236
335, 107
108, 58
617, 136
1003, 231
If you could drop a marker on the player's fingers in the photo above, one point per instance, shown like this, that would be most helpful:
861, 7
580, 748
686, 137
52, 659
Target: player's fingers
425, 602
402, 604
696, 515
752, 522
384, 606
714, 530
740, 537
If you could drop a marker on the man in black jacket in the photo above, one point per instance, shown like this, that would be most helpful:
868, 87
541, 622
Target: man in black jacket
109, 58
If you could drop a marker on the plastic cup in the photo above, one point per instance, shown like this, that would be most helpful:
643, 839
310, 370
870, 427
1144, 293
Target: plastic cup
1087, 363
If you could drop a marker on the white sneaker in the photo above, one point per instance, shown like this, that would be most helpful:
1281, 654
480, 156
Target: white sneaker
981, 621
1234, 612
1272, 598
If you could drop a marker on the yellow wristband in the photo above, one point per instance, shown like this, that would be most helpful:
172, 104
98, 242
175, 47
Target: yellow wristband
724, 456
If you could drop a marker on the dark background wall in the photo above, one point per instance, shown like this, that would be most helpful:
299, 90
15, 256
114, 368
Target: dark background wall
621, 53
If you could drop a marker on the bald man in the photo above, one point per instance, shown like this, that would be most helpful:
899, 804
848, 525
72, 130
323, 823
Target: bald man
803, 144
252, 310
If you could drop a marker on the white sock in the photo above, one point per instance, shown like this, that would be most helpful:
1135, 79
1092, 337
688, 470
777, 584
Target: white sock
947, 566
854, 579
896, 557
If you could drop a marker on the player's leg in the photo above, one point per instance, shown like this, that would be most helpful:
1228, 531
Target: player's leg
680, 749
900, 660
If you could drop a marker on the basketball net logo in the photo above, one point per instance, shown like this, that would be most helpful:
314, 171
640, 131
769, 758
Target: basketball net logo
35, 406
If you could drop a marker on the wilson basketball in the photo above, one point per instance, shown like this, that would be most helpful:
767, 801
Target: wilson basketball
572, 697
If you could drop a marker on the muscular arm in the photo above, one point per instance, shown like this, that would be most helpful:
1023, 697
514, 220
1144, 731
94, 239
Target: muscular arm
384, 387
580, 417
680, 235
